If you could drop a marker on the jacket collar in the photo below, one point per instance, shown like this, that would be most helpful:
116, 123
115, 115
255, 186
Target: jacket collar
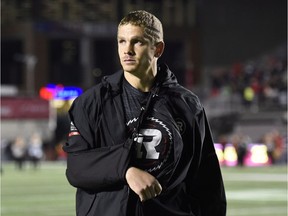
164, 77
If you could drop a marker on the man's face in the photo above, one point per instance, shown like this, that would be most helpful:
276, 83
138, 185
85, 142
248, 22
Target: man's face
136, 52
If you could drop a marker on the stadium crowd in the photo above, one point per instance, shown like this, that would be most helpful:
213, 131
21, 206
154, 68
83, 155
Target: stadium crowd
261, 82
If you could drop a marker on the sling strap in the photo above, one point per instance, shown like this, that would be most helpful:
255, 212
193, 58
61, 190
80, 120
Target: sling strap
144, 111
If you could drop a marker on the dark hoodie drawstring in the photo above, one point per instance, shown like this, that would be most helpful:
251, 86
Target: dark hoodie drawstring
144, 110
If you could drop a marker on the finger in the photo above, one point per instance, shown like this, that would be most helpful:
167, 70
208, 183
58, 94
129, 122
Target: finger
152, 191
149, 193
155, 190
143, 195
158, 189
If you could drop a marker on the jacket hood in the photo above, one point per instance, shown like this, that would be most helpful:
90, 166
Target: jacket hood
164, 77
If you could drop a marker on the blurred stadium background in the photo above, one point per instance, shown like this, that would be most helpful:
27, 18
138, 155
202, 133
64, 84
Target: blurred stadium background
233, 54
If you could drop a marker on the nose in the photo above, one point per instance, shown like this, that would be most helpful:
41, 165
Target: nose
129, 50
128, 53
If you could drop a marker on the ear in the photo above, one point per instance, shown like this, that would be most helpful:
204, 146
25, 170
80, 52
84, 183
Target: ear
159, 49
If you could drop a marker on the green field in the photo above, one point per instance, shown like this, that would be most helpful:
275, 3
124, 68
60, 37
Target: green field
254, 191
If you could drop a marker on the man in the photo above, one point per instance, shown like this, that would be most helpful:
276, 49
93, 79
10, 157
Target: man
139, 142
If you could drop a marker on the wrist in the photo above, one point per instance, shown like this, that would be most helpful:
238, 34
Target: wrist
128, 171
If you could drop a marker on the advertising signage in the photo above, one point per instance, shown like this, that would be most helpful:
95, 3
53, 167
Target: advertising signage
256, 155
24, 108
59, 92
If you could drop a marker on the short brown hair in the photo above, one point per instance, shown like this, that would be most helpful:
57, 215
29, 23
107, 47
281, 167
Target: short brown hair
152, 25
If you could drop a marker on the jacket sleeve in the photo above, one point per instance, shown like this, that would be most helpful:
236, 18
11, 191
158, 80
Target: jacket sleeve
91, 166
206, 183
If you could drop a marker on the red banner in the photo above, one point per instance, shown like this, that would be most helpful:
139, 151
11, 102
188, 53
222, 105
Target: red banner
24, 108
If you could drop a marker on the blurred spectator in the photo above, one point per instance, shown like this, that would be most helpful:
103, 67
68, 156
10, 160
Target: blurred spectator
275, 145
19, 150
248, 95
4, 146
35, 151
223, 142
268, 141
240, 144
279, 145
61, 155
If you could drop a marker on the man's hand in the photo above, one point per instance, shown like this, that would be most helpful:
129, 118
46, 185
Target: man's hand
142, 183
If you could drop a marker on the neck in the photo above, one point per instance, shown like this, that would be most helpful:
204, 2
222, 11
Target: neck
142, 82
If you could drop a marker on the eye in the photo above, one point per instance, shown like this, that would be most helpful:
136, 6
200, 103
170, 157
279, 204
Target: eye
139, 42
121, 41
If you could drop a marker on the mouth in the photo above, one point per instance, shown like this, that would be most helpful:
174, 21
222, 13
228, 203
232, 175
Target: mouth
129, 61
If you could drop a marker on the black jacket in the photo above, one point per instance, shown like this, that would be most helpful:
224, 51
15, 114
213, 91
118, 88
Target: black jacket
99, 149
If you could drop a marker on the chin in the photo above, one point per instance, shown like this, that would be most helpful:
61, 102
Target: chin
129, 69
